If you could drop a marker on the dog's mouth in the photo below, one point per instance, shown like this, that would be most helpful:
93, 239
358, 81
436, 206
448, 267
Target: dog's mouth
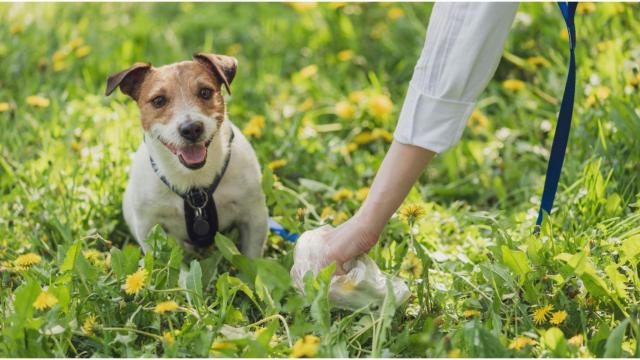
192, 156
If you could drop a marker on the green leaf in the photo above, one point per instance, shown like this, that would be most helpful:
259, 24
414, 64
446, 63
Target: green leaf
193, 282
70, 258
534, 249
516, 261
131, 259
584, 268
25, 295
554, 340
631, 248
117, 263
617, 280
480, 342
613, 347
226, 247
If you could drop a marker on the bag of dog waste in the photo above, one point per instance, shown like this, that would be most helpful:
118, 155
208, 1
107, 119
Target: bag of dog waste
364, 284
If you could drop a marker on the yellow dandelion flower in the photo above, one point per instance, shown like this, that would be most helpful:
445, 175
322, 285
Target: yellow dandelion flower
356, 96
520, 342
602, 92
363, 138
4, 106
478, 120
603, 46
59, 56
411, 266
166, 306
513, 85
59, 66
362, 193
38, 101
349, 148
380, 106
308, 71
89, 325
223, 345
336, 5
395, 13
302, 6
45, 300
538, 60
92, 255
345, 55
277, 164
576, 340
76, 146
135, 282
342, 194
411, 213
470, 313
306, 105
586, 7
16, 29
83, 51
28, 259
306, 347
558, 317
379, 133
327, 212
540, 314
75, 43
168, 337
340, 218
254, 126
529, 44
344, 109
454, 353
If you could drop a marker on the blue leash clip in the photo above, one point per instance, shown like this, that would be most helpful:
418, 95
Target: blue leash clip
563, 127
278, 229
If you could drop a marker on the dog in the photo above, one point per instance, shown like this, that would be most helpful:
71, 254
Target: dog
194, 173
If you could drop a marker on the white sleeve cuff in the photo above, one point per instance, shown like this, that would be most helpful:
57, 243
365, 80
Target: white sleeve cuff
431, 123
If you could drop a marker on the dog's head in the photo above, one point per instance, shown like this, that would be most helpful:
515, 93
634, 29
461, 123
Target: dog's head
181, 105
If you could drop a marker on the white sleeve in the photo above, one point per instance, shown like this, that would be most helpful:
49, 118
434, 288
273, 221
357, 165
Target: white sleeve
460, 55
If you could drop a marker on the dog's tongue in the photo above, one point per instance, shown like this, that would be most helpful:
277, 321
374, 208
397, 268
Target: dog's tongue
193, 154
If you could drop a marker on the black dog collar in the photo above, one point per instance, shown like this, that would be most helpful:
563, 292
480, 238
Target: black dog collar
200, 212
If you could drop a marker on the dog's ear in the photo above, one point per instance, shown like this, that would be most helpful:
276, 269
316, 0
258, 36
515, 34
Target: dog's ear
129, 80
224, 67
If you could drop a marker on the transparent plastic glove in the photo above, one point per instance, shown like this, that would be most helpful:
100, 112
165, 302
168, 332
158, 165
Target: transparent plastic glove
363, 283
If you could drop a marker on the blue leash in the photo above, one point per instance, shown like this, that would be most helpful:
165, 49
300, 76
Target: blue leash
561, 137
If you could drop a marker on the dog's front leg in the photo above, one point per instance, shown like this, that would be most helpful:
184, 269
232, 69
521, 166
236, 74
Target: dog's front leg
142, 229
253, 232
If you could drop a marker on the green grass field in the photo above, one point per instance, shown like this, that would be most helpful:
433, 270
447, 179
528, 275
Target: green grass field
318, 92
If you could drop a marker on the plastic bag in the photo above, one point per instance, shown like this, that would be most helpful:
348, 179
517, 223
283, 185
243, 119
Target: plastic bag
363, 284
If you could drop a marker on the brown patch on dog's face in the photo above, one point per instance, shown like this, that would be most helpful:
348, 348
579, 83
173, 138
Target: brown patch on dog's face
181, 105
170, 89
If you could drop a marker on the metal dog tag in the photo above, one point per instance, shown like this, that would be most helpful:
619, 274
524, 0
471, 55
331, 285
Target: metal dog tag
201, 226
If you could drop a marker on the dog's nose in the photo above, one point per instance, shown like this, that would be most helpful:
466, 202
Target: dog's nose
191, 130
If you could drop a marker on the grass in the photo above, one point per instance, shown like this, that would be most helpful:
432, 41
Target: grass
328, 81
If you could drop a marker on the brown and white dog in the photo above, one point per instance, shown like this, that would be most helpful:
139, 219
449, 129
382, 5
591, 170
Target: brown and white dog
188, 136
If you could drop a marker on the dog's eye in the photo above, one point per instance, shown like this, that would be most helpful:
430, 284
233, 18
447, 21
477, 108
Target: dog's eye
159, 101
205, 93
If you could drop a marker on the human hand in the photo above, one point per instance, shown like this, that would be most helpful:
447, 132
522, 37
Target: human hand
318, 248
